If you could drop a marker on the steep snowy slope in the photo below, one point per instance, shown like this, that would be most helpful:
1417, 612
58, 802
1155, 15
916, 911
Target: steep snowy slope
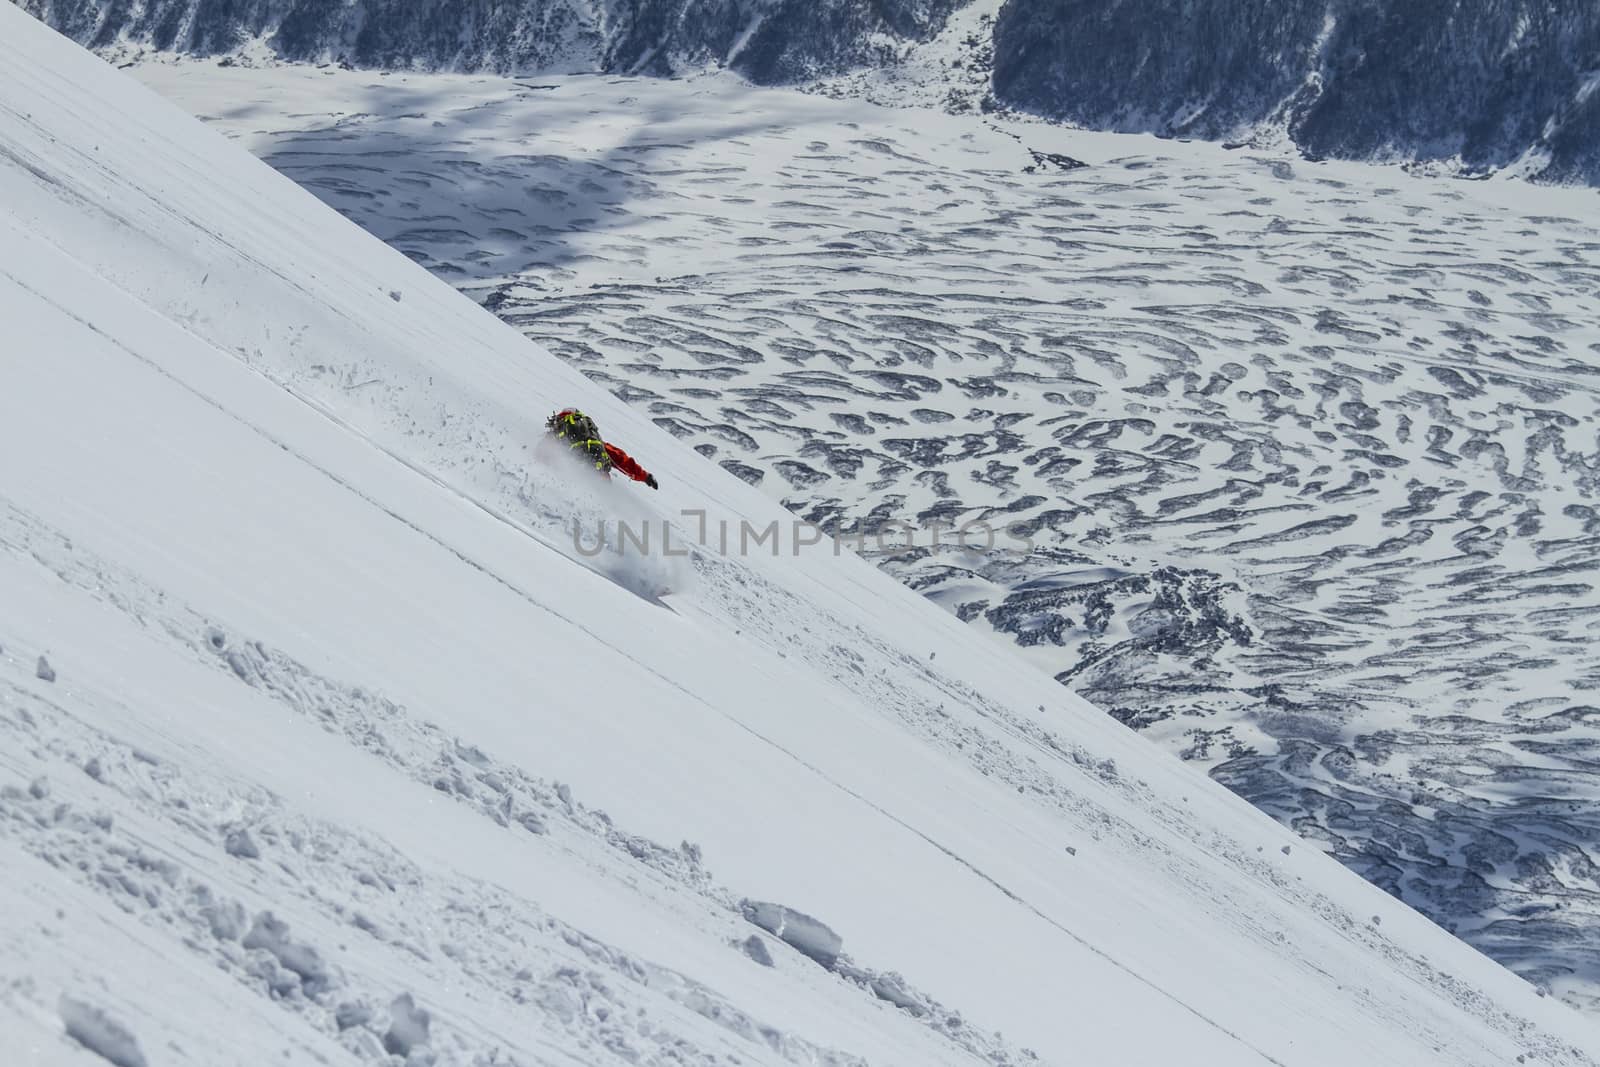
1306, 454
290, 673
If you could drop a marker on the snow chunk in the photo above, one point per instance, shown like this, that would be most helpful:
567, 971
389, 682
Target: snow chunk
238, 842
271, 934
892, 987
756, 949
352, 1013
226, 918
99, 1033
806, 935
44, 672
408, 1027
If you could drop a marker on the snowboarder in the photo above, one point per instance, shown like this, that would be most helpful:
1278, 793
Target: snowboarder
582, 438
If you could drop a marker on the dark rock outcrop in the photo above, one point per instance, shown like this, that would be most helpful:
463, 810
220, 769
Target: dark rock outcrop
1486, 81
770, 41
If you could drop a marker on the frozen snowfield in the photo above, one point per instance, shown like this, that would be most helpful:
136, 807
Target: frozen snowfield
1306, 452
320, 746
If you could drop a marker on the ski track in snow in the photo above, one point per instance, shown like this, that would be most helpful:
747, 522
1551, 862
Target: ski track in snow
585, 990
1309, 453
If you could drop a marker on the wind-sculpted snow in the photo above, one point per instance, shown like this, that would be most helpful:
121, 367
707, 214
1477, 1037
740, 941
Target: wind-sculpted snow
1292, 467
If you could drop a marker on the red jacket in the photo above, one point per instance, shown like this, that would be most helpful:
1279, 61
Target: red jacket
625, 463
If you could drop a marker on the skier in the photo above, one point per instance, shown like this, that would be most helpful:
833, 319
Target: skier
582, 438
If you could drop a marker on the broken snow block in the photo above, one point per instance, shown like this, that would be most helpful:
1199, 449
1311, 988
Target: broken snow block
99, 1033
892, 987
808, 936
408, 1027
271, 934
352, 1013
238, 842
756, 949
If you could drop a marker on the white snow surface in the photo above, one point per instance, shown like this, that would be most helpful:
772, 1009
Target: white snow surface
317, 744
1308, 450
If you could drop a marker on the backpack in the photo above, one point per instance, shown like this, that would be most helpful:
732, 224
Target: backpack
582, 435
574, 427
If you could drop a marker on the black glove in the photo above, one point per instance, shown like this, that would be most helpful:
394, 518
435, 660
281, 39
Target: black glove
650, 480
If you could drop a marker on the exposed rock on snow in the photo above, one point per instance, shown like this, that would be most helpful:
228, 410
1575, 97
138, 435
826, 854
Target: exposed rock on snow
769, 40
1487, 83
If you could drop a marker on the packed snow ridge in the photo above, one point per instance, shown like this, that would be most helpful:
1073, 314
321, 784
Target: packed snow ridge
1479, 87
323, 744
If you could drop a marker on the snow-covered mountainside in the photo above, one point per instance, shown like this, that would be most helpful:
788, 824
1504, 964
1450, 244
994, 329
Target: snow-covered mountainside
769, 40
1488, 83
1306, 454
320, 745
1485, 85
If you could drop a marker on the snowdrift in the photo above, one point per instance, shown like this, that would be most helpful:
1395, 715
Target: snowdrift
319, 743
